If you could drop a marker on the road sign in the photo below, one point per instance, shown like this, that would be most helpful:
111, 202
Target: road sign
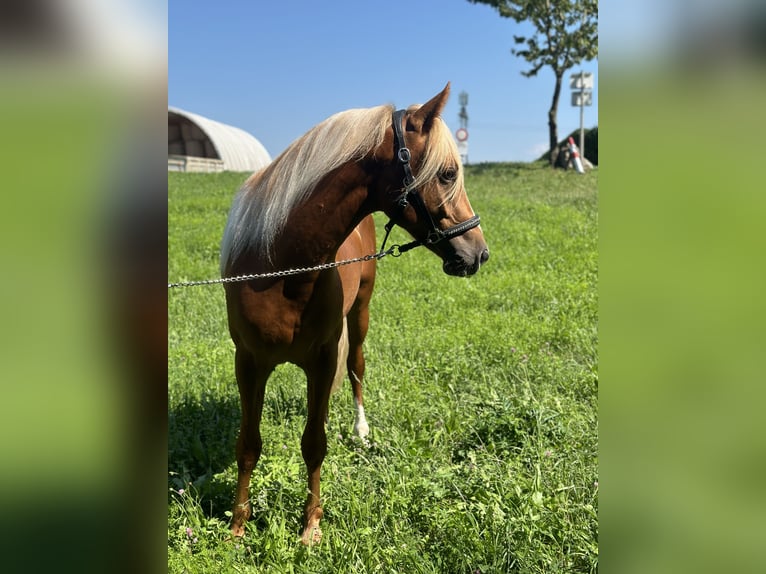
576, 97
582, 80
461, 134
582, 95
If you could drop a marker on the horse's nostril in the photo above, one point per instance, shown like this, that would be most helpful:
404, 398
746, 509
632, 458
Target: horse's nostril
484, 256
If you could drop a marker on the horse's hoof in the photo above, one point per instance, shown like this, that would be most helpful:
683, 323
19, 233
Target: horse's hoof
362, 430
363, 441
312, 535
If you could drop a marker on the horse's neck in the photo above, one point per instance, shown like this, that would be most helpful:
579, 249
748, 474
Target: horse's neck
318, 227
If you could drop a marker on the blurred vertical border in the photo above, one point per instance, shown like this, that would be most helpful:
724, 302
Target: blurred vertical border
682, 211
83, 223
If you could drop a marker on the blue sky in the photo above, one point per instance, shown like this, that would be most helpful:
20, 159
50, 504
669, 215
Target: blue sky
275, 69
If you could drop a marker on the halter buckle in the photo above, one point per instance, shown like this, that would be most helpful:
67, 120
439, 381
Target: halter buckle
434, 236
404, 155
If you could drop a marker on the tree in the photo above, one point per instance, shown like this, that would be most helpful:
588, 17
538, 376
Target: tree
566, 33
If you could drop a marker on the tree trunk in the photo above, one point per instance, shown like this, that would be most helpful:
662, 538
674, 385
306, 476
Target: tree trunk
553, 132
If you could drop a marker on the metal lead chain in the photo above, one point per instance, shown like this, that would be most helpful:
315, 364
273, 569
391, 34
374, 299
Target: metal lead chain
394, 250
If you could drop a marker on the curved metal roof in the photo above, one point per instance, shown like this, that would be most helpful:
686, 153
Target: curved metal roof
238, 150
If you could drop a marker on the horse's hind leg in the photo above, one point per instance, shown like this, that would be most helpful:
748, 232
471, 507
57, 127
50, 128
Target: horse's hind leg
314, 442
358, 321
251, 380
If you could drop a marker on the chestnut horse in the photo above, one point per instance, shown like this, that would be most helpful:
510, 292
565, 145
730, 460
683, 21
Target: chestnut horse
312, 205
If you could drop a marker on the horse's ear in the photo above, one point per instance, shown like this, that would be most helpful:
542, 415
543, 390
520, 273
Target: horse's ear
422, 119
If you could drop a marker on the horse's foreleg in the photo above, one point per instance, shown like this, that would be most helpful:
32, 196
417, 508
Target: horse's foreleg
314, 441
251, 381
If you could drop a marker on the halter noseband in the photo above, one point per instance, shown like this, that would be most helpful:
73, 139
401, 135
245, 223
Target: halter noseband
410, 195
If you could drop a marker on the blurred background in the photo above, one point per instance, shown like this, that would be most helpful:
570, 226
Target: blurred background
83, 303
82, 297
682, 441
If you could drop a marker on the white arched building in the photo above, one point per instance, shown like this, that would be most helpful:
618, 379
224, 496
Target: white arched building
196, 143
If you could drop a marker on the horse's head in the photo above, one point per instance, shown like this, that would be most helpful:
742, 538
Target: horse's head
431, 202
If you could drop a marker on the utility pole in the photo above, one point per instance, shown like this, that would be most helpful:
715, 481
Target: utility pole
462, 133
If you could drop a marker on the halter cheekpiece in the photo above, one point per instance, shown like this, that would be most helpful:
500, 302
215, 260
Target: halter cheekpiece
411, 196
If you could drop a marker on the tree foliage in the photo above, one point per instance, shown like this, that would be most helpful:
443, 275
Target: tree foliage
566, 34
566, 31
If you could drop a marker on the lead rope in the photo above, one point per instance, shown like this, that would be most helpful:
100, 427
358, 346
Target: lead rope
394, 250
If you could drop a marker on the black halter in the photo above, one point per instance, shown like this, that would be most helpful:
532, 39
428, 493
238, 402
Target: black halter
410, 195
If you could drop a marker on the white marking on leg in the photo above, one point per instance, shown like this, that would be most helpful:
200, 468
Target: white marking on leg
361, 428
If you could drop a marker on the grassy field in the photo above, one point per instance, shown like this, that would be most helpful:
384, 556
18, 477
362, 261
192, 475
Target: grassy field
481, 395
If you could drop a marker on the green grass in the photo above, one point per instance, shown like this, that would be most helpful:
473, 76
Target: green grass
481, 395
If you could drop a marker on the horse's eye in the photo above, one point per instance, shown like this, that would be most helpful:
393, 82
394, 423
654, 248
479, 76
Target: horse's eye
449, 175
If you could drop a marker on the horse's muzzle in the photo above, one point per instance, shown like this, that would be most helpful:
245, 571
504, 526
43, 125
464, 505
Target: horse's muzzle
459, 267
